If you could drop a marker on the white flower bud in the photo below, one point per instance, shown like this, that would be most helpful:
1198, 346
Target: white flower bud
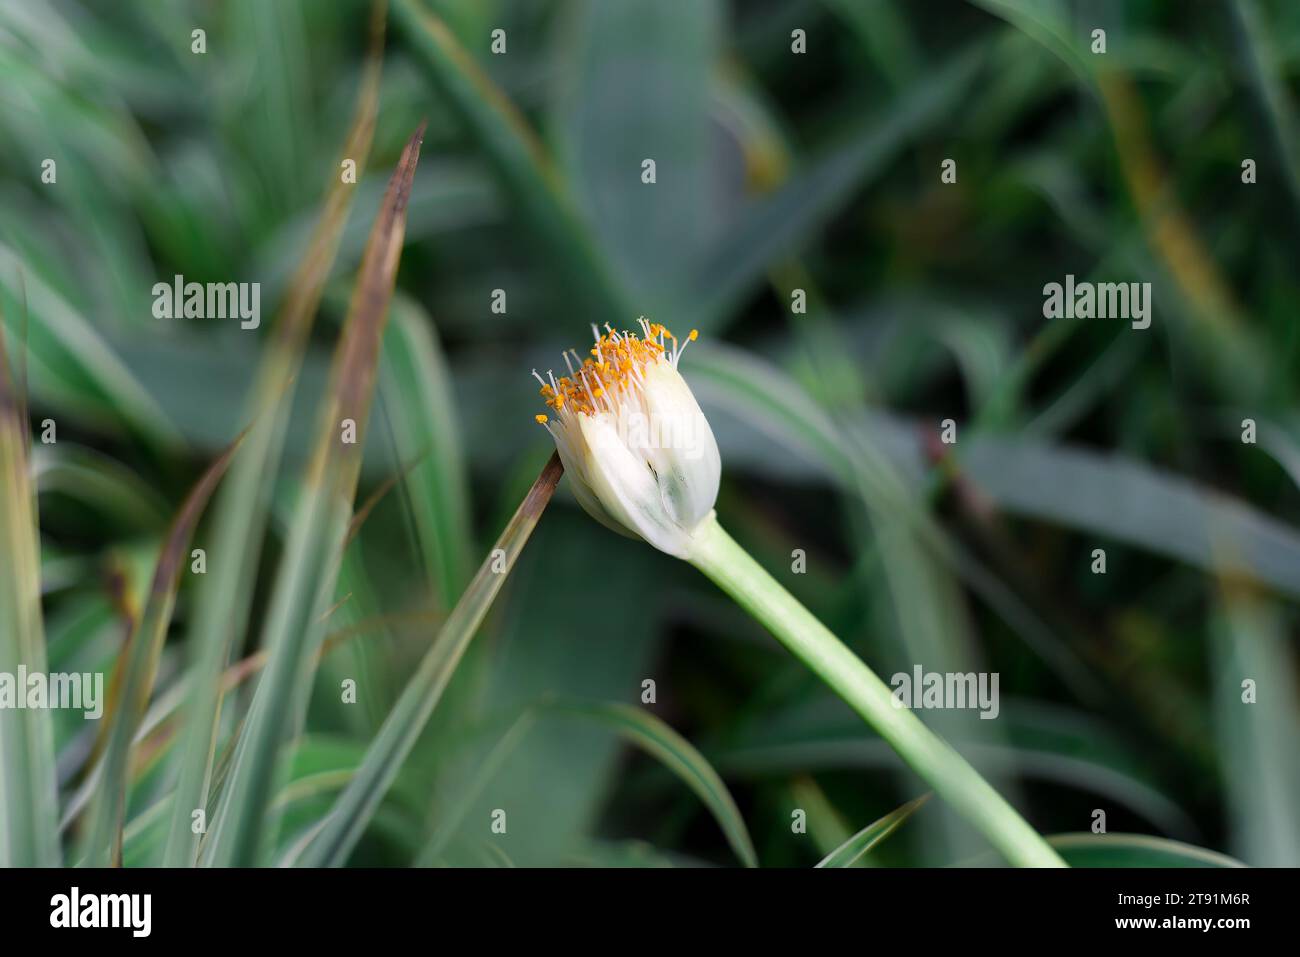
639, 453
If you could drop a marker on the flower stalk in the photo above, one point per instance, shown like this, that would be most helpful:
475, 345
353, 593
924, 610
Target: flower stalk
734, 570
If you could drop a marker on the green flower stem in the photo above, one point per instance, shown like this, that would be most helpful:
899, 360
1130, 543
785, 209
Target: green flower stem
719, 556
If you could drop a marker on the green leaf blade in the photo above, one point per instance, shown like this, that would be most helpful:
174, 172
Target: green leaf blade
848, 853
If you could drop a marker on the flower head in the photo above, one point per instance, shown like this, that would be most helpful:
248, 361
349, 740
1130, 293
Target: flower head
639, 453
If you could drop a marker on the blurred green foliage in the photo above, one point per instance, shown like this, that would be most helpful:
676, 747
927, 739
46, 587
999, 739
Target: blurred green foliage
775, 172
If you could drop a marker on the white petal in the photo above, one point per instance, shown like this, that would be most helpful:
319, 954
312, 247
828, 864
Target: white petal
686, 460
627, 488
572, 447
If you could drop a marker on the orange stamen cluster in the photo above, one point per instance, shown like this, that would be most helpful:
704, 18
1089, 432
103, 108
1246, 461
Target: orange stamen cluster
615, 364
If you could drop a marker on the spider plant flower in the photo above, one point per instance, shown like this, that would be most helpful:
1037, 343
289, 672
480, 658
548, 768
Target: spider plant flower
639, 453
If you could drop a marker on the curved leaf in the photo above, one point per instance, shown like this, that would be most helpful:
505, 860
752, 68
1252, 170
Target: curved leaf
847, 854
419, 405
1135, 850
654, 736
